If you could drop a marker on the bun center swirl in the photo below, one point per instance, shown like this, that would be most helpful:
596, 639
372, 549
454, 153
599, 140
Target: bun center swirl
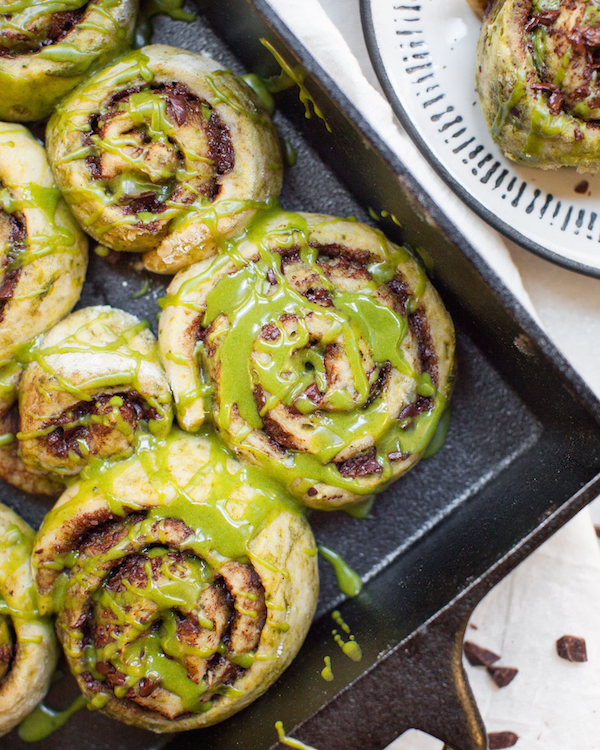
183, 582
160, 627
157, 149
321, 348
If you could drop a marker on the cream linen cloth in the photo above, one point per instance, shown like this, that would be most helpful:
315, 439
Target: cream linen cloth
551, 704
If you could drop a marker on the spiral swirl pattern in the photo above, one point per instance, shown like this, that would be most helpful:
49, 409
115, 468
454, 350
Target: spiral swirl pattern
93, 380
47, 47
183, 583
322, 350
537, 78
164, 153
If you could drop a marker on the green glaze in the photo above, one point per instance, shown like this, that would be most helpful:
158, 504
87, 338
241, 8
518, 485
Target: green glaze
364, 507
327, 672
6, 642
547, 127
439, 437
44, 721
350, 647
140, 650
290, 741
144, 289
293, 76
15, 551
284, 368
348, 581
129, 377
151, 8
31, 636
34, 78
58, 238
150, 153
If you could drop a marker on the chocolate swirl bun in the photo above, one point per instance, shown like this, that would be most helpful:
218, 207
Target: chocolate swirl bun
164, 153
47, 47
538, 84
184, 583
43, 253
28, 648
92, 380
322, 350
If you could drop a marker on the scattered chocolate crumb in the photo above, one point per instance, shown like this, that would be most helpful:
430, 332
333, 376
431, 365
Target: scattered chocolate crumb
473, 626
578, 134
478, 656
114, 256
311, 491
582, 187
597, 530
498, 740
571, 648
502, 676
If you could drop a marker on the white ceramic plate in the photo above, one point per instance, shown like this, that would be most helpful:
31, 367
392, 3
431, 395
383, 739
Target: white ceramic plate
423, 52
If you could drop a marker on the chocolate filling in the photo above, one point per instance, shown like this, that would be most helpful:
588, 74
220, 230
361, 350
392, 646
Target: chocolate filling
421, 405
16, 240
181, 103
62, 440
17, 43
585, 43
419, 325
360, 466
236, 581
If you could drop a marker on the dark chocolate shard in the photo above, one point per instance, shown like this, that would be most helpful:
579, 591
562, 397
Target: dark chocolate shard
571, 648
498, 740
502, 676
478, 656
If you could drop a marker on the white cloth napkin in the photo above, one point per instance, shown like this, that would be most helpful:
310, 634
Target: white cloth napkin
551, 704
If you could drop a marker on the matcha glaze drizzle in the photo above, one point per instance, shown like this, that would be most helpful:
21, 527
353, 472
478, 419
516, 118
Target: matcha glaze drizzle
128, 586
300, 340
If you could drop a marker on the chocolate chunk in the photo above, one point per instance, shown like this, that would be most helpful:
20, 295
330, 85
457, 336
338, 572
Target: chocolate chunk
319, 296
146, 687
571, 648
544, 18
360, 466
422, 404
555, 102
478, 656
578, 134
270, 332
312, 491
498, 740
502, 676
597, 530
379, 384
582, 187
313, 393
401, 291
271, 278
397, 455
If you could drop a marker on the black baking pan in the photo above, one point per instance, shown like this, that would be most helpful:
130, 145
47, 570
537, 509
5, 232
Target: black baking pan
522, 454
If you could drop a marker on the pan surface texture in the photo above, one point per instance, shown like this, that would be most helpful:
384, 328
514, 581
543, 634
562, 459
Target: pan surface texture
521, 457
